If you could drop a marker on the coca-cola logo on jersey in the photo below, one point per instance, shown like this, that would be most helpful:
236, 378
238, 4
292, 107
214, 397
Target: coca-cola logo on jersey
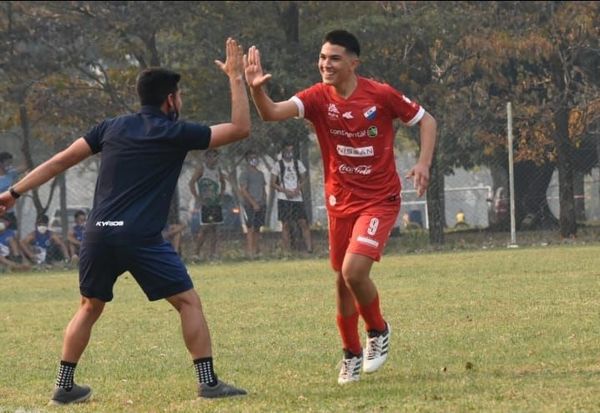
355, 170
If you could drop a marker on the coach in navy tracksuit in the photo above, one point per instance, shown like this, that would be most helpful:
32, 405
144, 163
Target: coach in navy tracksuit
142, 156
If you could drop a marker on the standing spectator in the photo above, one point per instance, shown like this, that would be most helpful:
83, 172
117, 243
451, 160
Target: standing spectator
207, 185
252, 187
287, 178
9, 249
42, 246
8, 175
75, 235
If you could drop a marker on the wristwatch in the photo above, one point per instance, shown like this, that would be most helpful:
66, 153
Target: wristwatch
14, 193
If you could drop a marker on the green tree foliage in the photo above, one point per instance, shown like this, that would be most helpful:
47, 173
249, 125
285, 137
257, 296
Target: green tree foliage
66, 65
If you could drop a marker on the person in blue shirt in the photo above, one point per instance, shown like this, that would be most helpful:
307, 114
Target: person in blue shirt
9, 249
42, 246
8, 175
142, 156
75, 235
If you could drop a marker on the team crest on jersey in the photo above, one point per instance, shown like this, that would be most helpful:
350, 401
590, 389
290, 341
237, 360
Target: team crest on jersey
371, 113
372, 131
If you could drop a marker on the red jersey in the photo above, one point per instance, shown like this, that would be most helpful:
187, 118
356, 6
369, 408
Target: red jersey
356, 137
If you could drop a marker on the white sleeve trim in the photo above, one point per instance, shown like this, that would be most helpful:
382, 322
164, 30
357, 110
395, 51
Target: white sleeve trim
417, 117
300, 106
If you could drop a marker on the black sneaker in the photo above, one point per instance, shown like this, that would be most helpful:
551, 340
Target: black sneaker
78, 394
222, 389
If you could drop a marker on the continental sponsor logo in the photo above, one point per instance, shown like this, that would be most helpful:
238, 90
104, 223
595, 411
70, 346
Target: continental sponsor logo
350, 151
348, 134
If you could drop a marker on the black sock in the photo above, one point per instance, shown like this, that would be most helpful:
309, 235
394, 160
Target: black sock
205, 372
65, 375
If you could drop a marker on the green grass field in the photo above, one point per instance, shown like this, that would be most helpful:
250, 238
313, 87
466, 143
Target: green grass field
496, 330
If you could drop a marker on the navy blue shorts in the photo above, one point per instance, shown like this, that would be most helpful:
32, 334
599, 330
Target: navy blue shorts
157, 269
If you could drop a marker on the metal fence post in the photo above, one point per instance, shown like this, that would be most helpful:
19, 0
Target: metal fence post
511, 177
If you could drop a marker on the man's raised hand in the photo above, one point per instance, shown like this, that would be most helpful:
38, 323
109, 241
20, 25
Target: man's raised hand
234, 59
253, 69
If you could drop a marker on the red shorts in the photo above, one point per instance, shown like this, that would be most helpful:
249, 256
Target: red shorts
364, 234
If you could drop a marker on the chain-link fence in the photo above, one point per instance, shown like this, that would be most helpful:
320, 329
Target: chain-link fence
476, 201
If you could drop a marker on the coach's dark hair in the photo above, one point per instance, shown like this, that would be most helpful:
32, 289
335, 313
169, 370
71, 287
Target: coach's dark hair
155, 84
250, 153
345, 39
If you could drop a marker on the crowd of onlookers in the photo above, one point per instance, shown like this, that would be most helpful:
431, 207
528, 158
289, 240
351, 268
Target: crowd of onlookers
40, 246
207, 185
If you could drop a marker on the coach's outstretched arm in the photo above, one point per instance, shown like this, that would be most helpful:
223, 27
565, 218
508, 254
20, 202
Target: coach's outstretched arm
78, 151
267, 109
239, 127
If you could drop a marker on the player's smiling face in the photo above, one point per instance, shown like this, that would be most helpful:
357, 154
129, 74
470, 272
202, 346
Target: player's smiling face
336, 65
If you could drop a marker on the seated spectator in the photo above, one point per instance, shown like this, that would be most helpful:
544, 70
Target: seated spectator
75, 235
42, 246
460, 220
9, 249
8, 175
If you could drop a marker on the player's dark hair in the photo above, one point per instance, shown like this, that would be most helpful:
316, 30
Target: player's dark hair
79, 212
155, 84
249, 154
345, 39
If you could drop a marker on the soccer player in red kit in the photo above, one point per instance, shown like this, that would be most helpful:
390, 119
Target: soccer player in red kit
353, 118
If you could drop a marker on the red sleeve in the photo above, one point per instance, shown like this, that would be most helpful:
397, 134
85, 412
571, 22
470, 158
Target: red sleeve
401, 107
309, 99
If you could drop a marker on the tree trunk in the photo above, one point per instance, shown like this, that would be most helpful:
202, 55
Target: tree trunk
597, 134
568, 224
290, 22
435, 203
307, 188
531, 201
579, 191
64, 217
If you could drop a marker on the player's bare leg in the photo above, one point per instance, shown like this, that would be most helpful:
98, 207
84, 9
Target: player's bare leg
197, 340
77, 337
193, 324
